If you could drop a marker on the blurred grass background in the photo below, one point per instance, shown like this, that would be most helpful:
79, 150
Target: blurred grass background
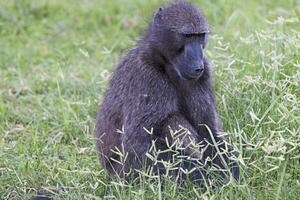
55, 61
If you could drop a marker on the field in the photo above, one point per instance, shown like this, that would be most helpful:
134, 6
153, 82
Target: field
55, 61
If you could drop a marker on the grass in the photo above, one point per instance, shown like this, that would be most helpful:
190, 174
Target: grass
55, 60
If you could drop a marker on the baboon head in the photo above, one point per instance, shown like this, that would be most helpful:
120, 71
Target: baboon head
179, 34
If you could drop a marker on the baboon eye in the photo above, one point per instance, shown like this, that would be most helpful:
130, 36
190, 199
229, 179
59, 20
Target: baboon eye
180, 49
189, 35
202, 35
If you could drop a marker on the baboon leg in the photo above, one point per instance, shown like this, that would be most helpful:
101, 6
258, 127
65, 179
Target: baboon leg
221, 154
224, 159
178, 133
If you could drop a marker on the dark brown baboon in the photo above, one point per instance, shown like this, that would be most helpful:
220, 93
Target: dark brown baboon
163, 83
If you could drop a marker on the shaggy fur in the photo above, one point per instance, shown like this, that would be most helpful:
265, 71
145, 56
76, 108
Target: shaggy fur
163, 83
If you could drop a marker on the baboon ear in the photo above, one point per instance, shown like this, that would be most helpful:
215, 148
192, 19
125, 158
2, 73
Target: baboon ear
158, 16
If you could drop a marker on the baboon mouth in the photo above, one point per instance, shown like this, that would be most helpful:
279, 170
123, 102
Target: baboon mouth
192, 76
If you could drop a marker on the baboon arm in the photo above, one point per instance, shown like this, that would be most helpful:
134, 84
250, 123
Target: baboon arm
193, 149
149, 101
135, 146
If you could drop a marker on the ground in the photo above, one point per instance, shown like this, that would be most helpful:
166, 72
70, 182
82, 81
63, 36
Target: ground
55, 61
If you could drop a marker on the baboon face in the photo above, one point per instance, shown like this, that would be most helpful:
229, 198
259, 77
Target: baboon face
180, 35
186, 54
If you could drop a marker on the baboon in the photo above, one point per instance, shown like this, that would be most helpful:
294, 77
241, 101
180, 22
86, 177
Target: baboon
162, 84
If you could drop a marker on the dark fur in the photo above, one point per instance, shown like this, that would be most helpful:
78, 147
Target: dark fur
152, 88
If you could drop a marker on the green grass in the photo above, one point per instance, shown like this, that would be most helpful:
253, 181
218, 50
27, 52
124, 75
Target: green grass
56, 56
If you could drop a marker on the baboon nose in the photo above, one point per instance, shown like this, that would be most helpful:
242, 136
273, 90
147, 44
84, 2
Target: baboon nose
199, 70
